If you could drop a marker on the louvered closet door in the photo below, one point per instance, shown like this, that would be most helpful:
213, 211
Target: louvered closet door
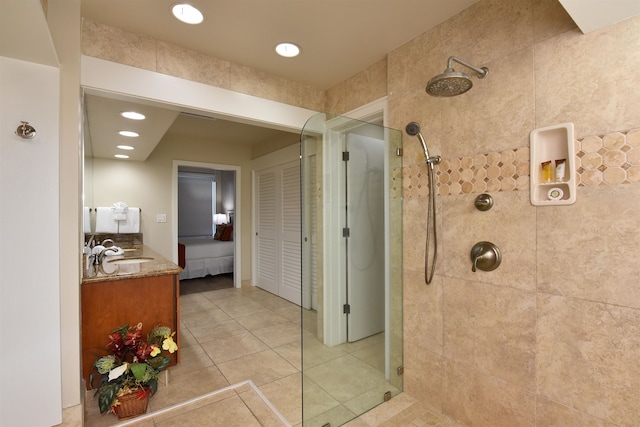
266, 223
290, 232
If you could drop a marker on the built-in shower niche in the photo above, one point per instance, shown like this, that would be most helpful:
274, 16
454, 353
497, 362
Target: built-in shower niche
553, 186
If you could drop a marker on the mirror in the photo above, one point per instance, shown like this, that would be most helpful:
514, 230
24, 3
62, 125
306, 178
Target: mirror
352, 268
165, 125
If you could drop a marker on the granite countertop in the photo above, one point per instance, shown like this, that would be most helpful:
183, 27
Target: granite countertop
108, 271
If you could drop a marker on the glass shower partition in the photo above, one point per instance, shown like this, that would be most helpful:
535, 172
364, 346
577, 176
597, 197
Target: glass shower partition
351, 268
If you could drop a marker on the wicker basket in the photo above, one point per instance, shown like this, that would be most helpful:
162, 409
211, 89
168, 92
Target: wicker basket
131, 406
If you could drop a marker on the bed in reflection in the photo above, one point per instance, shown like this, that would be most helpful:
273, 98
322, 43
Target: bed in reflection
202, 256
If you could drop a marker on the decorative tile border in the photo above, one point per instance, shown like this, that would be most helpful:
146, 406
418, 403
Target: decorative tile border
609, 159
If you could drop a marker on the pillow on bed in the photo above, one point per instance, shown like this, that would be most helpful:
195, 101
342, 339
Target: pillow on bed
227, 234
219, 231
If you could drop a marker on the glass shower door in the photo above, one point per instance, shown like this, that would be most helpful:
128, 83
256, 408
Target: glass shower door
352, 272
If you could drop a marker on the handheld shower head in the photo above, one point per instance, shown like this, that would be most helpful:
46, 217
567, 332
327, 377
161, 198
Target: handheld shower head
451, 82
413, 129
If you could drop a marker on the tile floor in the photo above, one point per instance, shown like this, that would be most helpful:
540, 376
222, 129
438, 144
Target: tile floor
233, 336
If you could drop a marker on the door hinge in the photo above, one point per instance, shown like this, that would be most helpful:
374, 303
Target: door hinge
399, 152
346, 232
346, 309
345, 156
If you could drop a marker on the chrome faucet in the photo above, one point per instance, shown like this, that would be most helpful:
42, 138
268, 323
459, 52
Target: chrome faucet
96, 253
105, 241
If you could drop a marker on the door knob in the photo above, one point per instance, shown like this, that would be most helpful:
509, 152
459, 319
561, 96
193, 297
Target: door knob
485, 256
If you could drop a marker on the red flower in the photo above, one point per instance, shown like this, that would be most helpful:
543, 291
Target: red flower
116, 344
143, 352
134, 337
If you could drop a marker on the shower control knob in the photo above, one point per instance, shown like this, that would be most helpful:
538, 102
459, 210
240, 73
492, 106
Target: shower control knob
484, 202
485, 256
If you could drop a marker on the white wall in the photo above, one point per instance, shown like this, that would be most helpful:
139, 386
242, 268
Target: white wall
29, 260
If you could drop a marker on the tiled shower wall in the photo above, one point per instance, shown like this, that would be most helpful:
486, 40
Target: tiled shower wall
550, 338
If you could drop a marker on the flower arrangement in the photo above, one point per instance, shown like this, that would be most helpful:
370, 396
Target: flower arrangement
133, 365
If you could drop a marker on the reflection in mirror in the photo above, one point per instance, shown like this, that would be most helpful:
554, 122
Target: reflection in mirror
352, 268
87, 171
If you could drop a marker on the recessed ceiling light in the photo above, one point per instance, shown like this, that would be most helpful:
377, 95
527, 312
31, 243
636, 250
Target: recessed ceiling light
129, 133
125, 147
288, 50
121, 156
132, 115
187, 13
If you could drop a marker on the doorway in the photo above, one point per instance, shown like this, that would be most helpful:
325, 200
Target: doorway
232, 211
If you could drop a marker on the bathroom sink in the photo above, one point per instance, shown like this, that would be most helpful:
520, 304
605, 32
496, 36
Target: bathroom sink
130, 260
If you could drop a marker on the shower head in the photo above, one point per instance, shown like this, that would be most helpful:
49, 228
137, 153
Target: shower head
451, 82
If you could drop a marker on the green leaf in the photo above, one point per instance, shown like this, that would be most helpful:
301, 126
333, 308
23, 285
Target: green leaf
153, 385
107, 394
159, 363
160, 331
138, 370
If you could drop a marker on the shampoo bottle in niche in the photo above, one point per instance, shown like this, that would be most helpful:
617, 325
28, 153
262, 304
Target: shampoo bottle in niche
547, 172
560, 169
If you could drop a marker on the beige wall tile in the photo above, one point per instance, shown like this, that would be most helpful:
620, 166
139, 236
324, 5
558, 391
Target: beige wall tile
481, 400
191, 65
584, 79
423, 377
491, 329
113, 44
360, 89
413, 64
553, 414
550, 19
489, 30
588, 356
304, 96
415, 231
590, 250
258, 83
509, 225
422, 313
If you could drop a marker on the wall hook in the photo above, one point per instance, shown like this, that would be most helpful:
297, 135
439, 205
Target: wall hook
25, 130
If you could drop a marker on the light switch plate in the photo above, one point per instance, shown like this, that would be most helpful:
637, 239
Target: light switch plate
161, 217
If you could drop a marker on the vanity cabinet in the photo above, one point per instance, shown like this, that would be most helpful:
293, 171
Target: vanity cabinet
108, 304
